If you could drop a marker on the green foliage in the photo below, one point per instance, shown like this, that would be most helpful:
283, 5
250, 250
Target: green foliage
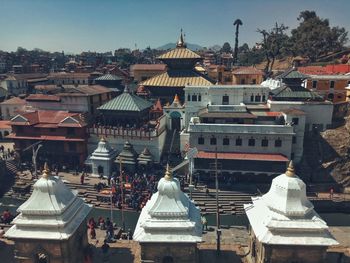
247, 56
226, 48
314, 37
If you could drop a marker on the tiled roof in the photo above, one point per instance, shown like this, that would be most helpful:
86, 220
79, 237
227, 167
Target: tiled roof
49, 117
179, 53
160, 67
178, 78
243, 156
109, 77
72, 90
42, 97
13, 101
5, 124
247, 71
126, 102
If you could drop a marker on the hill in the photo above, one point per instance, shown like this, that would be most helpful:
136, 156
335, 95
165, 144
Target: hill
173, 45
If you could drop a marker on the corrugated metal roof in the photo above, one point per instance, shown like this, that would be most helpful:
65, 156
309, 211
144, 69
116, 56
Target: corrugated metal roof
126, 102
177, 78
292, 74
243, 156
109, 77
179, 53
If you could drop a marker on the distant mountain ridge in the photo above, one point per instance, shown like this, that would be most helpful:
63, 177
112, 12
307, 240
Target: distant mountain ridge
173, 45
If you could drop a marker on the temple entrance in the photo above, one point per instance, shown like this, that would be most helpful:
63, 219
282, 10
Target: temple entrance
175, 120
100, 169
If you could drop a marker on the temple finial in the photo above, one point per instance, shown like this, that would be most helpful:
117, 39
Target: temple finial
290, 170
103, 138
168, 176
46, 171
181, 42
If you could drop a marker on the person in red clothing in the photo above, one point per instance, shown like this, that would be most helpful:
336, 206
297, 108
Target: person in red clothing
6, 217
92, 232
82, 177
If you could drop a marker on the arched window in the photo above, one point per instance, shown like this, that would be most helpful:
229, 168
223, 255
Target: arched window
194, 97
226, 141
278, 143
264, 142
188, 97
213, 141
263, 97
225, 100
201, 140
238, 141
252, 98
199, 97
251, 142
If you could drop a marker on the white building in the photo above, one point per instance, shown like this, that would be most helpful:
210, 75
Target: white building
14, 85
10, 108
284, 225
51, 224
169, 226
102, 159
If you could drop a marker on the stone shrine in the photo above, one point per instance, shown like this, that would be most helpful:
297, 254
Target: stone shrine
284, 227
169, 226
51, 226
102, 159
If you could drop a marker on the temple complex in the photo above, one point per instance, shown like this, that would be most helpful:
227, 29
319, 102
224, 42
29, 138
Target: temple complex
169, 226
180, 72
51, 225
284, 226
127, 157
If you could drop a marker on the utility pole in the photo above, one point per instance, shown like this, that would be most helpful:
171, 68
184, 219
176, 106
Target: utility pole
122, 191
218, 230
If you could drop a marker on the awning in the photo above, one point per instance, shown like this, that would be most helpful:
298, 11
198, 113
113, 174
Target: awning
243, 156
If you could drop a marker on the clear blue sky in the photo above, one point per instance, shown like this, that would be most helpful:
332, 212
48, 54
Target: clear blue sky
105, 25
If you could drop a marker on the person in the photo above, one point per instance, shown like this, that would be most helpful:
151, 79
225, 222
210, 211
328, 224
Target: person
204, 223
101, 223
82, 177
105, 249
2, 232
6, 217
92, 232
206, 191
331, 192
110, 233
129, 234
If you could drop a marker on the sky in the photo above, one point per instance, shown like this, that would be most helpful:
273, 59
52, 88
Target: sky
106, 25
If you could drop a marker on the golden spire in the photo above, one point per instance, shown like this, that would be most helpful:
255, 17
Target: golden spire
181, 42
46, 171
176, 99
290, 170
168, 176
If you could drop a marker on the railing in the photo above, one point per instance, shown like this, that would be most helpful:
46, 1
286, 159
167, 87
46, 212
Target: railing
132, 133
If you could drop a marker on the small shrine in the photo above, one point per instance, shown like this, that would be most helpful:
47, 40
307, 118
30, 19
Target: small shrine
51, 225
169, 226
127, 158
157, 110
102, 159
175, 113
145, 158
284, 226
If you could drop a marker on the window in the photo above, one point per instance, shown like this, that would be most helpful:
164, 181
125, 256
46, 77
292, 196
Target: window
278, 142
188, 97
72, 146
294, 140
199, 97
213, 141
251, 142
252, 98
257, 98
295, 121
194, 97
225, 100
314, 84
238, 142
254, 81
201, 140
264, 98
70, 131
292, 156
331, 84
264, 142
242, 81
226, 141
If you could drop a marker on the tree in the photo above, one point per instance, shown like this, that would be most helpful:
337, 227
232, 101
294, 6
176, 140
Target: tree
314, 37
237, 23
274, 45
226, 48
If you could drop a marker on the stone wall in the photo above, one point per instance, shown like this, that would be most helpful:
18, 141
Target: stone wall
179, 252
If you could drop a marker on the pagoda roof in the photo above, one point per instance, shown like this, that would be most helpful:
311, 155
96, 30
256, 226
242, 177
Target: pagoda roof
179, 53
126, 102
178, 78
292, 73
109, 77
